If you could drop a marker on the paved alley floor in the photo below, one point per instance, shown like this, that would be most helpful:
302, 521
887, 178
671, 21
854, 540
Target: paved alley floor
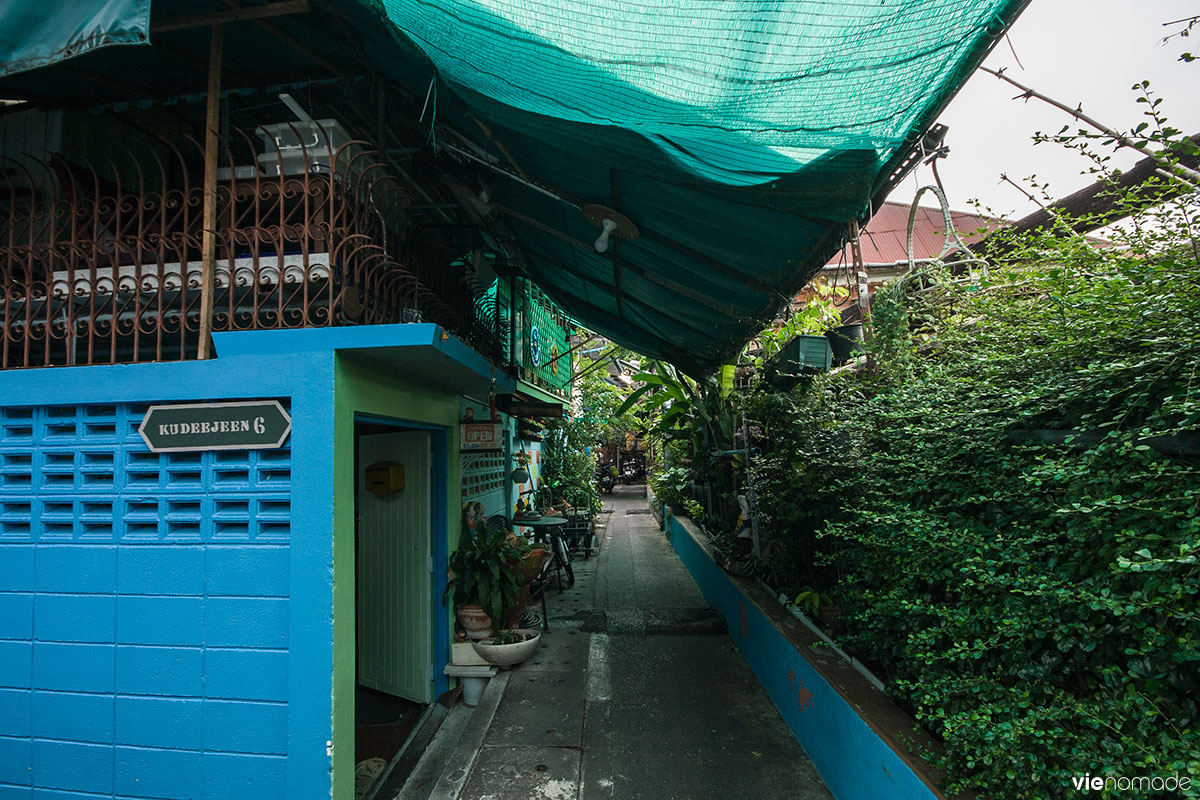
636, 693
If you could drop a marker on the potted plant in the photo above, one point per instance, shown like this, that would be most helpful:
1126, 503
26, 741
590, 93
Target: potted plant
482, 580
529, 567
846, 341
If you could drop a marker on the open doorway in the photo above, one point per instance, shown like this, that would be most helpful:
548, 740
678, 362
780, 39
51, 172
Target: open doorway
400, 500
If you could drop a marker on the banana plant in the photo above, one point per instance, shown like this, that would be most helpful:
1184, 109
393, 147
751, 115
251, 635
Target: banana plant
699, 411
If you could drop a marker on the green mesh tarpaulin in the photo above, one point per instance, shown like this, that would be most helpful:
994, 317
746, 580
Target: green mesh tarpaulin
35, 33
740, 136
736, 92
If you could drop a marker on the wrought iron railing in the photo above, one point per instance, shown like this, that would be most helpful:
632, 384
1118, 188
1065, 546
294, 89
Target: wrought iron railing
101, 263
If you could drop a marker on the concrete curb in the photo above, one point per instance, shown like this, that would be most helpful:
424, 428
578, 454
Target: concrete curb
596, 765
816, 692
453, 752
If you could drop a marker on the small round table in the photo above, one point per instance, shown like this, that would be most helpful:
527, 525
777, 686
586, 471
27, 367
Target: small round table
550, 525
541, 523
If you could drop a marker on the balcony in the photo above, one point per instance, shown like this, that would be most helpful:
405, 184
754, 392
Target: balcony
100, 258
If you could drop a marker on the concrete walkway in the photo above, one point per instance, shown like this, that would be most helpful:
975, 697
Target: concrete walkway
636, 692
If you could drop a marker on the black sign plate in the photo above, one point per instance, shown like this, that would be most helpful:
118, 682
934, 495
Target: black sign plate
250, 425
533, 408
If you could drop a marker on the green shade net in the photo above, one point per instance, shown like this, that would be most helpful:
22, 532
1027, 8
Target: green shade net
735, 92
740, 136
36, 33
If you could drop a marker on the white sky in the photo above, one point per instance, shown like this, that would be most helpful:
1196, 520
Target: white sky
1076, 51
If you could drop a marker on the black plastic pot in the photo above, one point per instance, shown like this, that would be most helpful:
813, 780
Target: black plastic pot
845, 342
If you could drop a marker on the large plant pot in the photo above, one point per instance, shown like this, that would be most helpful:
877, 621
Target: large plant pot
505, 655
845, 341
475, 621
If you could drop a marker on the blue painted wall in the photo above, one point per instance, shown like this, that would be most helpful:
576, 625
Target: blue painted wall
851, 758
165, 619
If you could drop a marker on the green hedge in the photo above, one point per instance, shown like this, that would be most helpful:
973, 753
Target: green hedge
1034, 604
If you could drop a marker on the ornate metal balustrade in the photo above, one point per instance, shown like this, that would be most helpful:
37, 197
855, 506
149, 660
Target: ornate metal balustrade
100, 262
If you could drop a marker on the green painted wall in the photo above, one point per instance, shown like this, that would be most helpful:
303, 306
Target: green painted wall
364, 389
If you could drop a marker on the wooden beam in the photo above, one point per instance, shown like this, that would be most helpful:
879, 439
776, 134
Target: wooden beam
208, 242
861, 281
238, 14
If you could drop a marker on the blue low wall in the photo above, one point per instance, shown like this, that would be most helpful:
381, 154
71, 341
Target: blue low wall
852, 758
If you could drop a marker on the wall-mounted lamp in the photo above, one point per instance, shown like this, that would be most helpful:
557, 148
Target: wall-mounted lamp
611, 223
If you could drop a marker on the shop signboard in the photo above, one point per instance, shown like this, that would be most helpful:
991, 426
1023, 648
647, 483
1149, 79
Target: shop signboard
480, 436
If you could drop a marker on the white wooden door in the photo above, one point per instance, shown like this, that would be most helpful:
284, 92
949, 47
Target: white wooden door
395, 610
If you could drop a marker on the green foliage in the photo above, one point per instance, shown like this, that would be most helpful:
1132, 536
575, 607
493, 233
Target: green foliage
670, 483
601, 401
511, 636
485, 570
818, 314
1034, 602
569, 460
700, 415
811, 601
998, 514
568, 452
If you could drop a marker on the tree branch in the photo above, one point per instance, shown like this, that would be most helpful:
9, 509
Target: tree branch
1177, 170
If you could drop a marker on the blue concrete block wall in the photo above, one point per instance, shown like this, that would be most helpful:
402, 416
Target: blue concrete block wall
145, 611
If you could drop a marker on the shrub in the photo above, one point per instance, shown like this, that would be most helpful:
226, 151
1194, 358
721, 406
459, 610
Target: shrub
1032, 596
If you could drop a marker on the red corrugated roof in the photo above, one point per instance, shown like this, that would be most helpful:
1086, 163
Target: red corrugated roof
885, 240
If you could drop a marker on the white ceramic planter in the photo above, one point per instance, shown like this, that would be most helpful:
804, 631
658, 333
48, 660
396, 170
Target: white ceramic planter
505, 655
